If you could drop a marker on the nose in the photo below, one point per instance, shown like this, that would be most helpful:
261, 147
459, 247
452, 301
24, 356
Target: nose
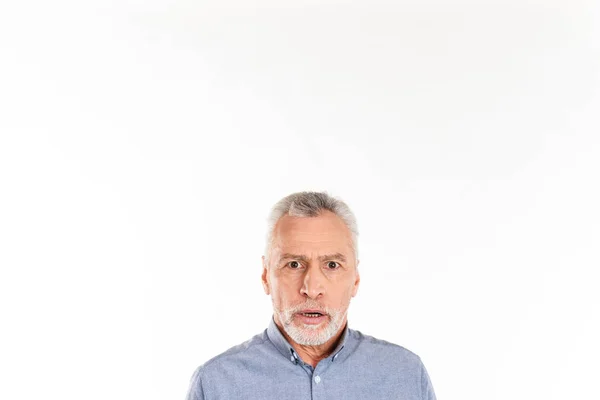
313, 285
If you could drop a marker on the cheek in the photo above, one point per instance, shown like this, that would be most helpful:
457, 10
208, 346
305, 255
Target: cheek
344, 293
284, 289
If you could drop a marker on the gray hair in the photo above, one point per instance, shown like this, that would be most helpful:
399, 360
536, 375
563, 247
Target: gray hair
310, 204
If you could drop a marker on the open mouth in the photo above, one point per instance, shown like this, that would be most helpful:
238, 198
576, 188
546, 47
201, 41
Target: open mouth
312, 314
312, 317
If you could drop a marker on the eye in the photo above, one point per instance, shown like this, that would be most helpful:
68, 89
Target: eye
294, 264
333, 265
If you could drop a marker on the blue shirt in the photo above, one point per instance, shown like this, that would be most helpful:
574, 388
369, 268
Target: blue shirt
266, 367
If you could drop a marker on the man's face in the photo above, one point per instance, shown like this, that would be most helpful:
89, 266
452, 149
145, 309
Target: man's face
311, 276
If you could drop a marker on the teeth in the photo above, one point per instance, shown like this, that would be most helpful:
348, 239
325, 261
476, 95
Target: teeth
312, 314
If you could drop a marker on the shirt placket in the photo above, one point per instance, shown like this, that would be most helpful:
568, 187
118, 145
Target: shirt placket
315, 375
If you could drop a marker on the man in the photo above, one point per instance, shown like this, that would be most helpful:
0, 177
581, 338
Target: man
308, 351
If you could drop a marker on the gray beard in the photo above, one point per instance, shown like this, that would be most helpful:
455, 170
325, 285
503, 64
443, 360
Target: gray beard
310, 335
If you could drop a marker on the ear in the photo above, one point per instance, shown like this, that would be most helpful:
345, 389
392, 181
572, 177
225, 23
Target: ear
356, 281
265, 277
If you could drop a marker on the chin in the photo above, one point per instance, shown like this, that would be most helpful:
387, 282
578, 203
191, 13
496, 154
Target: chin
311, 335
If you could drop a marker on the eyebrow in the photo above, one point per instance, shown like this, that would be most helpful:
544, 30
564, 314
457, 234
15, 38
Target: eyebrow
335, 256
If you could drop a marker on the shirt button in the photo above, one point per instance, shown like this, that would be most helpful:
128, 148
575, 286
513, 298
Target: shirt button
317, 379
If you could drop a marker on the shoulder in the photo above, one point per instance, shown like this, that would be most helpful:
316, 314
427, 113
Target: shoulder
390, 363
217, 370
375, 349
247, 349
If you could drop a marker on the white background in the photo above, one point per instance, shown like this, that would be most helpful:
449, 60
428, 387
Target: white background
143, 143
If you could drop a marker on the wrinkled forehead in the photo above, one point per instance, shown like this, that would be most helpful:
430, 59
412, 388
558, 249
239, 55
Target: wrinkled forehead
312, 236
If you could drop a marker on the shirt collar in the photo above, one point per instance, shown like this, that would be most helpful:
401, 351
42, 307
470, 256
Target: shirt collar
284, 347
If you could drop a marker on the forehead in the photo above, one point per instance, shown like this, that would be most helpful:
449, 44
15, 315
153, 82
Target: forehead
323, 233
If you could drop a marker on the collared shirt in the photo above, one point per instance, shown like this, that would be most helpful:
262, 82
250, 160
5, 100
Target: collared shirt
267, 367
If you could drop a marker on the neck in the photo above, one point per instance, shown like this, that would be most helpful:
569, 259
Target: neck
313, 354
